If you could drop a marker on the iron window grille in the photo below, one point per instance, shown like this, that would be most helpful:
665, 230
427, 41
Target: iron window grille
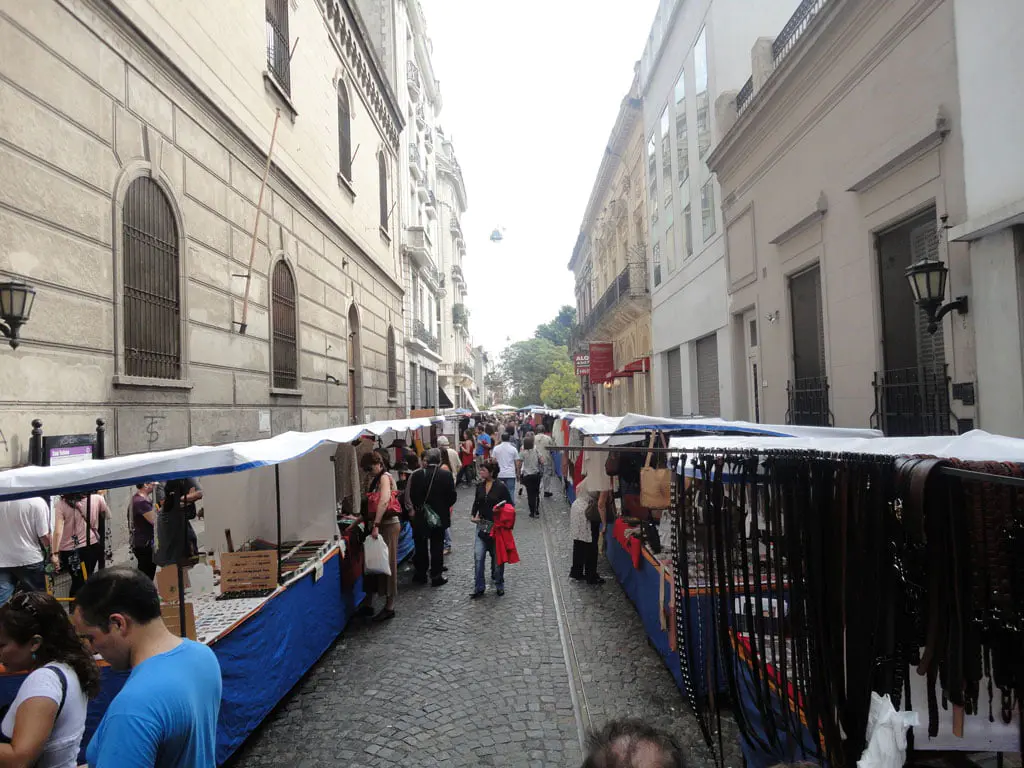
912, 401
278, 51
808, 402
392, 365
285, 328
152, 283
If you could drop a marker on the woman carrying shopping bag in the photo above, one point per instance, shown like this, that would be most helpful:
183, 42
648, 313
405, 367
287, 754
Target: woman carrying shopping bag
383, 510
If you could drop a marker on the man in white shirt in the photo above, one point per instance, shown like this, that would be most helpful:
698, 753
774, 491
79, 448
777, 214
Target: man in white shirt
508, 464
24, 535
542, 442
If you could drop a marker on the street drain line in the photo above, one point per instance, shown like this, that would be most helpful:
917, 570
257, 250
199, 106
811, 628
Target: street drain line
572, 665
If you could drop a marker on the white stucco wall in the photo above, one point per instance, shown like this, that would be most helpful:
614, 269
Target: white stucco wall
990, 59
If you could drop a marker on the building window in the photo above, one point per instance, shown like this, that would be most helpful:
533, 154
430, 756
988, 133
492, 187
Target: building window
413, 386
284, 328
652, 179
392, 366
382, 180
682, 134
666, 158
700, 62
670, 248
152, 283
278, 50
656, 258
344, 133
688, 225
707, 208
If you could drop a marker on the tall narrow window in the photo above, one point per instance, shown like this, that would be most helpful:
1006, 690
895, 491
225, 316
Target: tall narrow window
382, 174
285, 328
682, 134
666, 159
344, 133
278, 50
652, 179
707, 208
392, 366
152, 283
700, 63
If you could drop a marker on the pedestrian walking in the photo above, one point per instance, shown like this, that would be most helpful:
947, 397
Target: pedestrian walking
166, 713
432, 493
586, 522
508, 464
384, 519
542, 442
466, 458
76, 528
449, 461
632, 744
176, 542
142, 527
24, 538
491, 492
531, 471
45, 723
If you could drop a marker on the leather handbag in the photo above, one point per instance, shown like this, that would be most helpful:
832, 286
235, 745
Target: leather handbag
655, 484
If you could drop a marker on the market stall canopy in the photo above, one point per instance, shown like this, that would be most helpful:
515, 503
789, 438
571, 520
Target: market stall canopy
502, 407
196, 461
616, 430
976, 445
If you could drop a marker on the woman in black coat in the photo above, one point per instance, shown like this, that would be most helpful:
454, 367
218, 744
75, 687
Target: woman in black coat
489, 493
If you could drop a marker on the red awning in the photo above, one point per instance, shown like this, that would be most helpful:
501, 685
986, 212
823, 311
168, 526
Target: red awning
641, 365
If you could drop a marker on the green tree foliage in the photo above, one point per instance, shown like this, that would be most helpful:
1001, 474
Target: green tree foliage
561, 389
557, 331
526, 364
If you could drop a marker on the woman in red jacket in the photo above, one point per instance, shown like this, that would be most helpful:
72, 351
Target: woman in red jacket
489, 493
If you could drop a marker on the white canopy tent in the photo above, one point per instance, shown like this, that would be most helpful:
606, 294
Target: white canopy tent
617, 430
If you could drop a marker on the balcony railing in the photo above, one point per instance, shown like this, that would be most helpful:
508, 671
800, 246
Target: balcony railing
418, 246
795, 27
808, 402
743, 97
463, 369
421, 332
631, 283
912, 401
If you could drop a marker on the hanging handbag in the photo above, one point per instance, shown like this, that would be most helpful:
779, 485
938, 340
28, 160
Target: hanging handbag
655, 484
430, 515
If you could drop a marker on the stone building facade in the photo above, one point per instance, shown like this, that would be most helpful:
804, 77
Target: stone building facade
134, 140
609, 263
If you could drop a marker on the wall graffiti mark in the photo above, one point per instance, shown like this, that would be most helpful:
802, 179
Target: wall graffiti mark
152, 433
3, 441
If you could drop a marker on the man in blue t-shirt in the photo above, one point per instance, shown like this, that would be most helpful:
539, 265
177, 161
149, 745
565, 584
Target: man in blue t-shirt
166, 713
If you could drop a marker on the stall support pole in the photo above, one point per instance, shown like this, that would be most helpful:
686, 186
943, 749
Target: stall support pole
277, 493
183, 630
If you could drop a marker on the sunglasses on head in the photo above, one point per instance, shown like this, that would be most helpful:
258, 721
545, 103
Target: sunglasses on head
23, 602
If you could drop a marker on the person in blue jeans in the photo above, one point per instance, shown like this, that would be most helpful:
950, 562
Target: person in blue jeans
166, 714
24, 535
489, 494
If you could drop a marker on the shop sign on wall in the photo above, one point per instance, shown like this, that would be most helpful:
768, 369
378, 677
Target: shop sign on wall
582, 362
602, 361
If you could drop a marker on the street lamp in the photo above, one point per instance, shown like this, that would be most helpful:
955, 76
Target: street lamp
16, 299
928, 282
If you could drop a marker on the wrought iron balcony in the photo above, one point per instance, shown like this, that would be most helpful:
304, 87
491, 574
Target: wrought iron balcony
912, 401
808, 402
743, 97
413, 80
795, 27
421, 332
630, 284
415, 162
463, 369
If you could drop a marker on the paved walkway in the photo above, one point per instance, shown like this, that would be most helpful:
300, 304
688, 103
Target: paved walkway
459, 682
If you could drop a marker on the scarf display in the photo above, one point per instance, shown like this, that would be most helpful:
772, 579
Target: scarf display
831, 577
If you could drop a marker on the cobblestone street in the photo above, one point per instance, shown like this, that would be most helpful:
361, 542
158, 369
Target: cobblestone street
459, 682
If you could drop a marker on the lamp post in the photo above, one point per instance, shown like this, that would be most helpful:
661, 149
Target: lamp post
928, 282
16, 299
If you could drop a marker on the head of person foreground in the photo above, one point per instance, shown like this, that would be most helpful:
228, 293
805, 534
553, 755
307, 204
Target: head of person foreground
632, 744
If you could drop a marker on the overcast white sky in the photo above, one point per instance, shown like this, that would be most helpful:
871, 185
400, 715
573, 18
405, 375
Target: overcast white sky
531, 89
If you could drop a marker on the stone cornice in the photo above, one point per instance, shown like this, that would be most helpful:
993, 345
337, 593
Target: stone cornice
350, 39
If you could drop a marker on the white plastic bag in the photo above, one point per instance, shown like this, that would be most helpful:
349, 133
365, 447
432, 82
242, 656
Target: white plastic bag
886, 734
376, 553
